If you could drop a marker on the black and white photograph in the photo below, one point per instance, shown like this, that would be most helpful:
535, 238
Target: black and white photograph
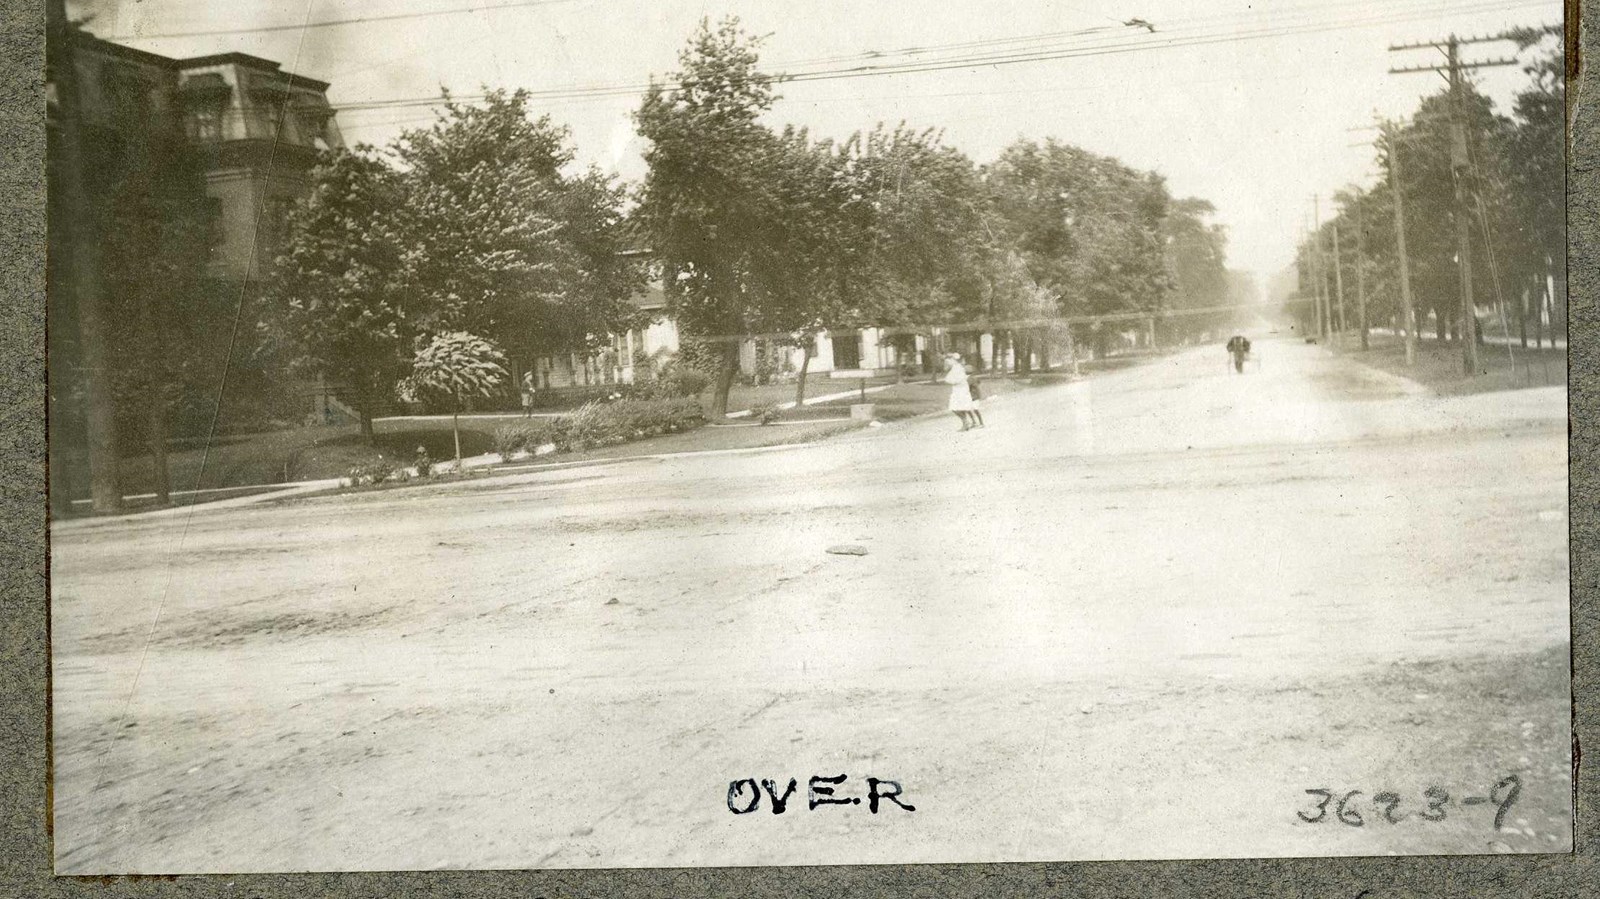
595, 434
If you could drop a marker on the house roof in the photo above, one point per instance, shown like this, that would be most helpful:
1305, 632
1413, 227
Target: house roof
252, 62
100, 45
205, 83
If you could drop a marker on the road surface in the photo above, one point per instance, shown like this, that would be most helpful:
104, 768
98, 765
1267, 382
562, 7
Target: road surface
1138, 616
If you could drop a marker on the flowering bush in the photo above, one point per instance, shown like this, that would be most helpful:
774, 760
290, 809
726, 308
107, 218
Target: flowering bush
601, 423
375, 472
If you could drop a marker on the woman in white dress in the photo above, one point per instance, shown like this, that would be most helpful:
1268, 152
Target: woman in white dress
960, 394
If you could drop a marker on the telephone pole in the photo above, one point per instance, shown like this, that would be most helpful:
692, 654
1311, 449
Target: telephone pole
1338, 279
1455, 70
1361, 270
85, 280
1408, 315
1324, 312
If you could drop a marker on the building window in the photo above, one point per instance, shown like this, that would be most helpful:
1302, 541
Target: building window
269, 111
314, 126
205, 123
847, 351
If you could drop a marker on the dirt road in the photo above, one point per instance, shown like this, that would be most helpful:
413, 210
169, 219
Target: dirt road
1139, 616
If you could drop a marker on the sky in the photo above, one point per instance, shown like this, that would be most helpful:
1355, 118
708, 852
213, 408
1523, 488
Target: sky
1247, 104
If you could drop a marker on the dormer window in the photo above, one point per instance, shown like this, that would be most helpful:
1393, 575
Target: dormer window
314, 125
205, 100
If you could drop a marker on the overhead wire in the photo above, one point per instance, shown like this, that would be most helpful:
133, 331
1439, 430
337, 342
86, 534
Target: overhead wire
335, 23
1152, 42
916, 50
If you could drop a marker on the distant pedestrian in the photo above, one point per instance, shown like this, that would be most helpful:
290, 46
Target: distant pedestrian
1239, 349
960, 392
975, 390
528, 391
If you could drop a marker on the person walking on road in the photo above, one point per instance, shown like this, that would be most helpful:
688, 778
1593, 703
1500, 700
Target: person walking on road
1239, 349
960, 391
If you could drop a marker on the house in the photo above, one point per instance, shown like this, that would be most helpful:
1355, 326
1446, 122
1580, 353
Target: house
625, 359
253, 131
258, 130
636, 355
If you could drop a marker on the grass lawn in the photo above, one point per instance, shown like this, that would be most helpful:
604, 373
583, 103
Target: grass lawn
817, 384
1438, 365
316, 453
305, 454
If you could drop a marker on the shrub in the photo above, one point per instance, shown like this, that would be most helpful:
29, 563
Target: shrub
424, 462
510, 440
689, 382
525, 436
601, 423
374, 472
675, 381
765, 413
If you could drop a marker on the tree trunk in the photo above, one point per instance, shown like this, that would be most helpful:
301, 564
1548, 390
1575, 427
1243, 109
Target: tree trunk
367, 400
1538, 319
156, 439
1522, 319
1044, 353
455, 427
730, 368
83, 268
805, 366
1439, 326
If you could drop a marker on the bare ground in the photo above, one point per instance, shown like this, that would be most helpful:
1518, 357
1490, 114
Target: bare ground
1137, 617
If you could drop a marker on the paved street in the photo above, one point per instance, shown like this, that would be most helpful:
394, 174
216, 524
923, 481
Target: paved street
1138, 616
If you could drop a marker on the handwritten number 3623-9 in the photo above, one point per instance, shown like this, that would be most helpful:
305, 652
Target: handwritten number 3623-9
1346, 807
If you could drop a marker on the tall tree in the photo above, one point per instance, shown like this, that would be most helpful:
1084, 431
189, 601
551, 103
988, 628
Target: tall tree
341, 304
1088, 227
154, 256
1536, 183
498, 241
705, 205
1196, 253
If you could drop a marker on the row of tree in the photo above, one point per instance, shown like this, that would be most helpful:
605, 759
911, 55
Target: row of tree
1514, 178
772, 232
476, 225
471, 226
477, 235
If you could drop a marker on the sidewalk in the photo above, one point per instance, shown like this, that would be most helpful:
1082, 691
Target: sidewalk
260, 493
245, 495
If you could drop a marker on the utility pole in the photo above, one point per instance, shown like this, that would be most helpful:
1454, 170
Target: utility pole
84, 276
1324, 318
1361, 270
1408, 315
1338, 279
1455, 72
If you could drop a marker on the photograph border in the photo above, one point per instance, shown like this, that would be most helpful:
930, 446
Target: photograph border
25, 868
